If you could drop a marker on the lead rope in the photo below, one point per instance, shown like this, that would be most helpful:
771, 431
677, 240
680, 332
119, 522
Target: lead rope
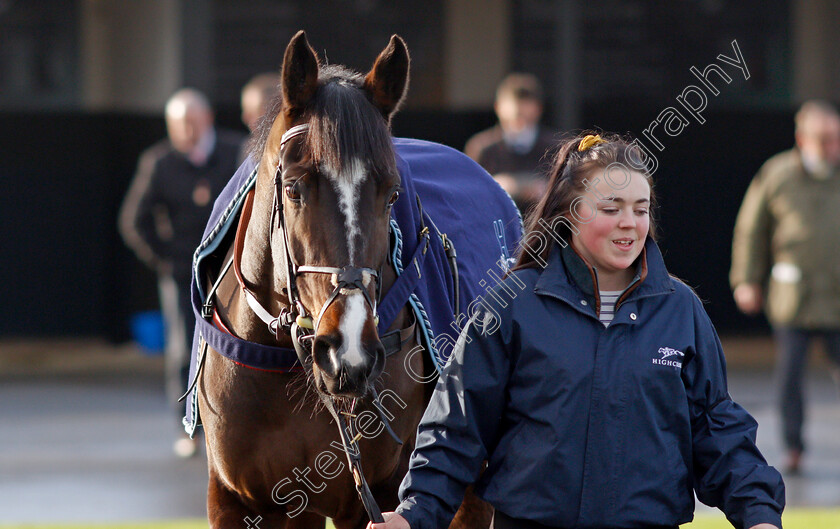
354, 459
354, 455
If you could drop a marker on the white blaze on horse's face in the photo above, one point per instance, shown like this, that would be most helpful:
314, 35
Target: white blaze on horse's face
351, 326
347, 188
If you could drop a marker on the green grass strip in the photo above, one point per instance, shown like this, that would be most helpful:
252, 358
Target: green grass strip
793, 519
197, 523
798, 518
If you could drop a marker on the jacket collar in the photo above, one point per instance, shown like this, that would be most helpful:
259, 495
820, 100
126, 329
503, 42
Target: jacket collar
568, 276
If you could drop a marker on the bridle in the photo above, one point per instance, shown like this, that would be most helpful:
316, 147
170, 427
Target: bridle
295, 320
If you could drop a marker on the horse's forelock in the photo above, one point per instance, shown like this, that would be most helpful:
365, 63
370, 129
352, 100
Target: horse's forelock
344, 125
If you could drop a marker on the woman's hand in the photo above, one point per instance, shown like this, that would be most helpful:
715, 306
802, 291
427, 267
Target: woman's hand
395, 521
761, 526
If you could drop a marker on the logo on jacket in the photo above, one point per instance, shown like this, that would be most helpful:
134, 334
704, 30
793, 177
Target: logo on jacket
668, 352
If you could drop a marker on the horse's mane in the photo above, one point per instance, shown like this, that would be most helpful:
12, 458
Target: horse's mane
344, 124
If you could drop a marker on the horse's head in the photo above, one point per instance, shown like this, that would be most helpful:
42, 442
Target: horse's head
328, 152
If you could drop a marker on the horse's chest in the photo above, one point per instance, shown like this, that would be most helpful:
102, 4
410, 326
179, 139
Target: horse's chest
290, 461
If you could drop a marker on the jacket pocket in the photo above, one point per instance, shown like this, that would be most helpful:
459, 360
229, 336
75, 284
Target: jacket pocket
785, 293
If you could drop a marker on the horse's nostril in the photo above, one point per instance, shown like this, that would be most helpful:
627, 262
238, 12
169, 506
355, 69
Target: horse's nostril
323, 353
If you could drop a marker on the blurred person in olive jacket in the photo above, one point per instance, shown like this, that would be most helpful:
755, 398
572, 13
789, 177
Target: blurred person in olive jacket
786, 256
163, 216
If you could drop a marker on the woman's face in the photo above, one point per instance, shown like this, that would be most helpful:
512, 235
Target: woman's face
614, 233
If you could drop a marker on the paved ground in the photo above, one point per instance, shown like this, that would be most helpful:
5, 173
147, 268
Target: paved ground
86, 434
89, 439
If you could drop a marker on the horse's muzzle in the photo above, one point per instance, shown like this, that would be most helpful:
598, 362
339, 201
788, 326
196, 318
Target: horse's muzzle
346, 372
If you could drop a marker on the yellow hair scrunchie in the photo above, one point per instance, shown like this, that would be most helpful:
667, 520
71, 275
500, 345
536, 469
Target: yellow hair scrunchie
590, 141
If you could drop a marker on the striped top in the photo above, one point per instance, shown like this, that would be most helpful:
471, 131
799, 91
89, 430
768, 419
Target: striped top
608, 299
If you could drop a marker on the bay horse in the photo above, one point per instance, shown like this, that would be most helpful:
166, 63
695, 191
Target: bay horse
311, 245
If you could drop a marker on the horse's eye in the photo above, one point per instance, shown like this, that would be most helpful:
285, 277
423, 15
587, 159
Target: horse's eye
293, 192
393, 198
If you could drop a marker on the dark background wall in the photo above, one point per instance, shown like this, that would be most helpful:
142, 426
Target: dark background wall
66, 161
63, 176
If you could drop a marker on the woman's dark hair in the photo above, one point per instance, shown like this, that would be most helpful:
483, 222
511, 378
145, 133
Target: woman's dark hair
569, 168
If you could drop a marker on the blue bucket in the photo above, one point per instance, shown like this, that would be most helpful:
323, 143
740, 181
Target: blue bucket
148, 331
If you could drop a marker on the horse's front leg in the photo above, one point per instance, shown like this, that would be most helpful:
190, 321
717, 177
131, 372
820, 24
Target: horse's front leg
226, 511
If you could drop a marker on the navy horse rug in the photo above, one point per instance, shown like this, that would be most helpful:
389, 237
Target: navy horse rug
447, 203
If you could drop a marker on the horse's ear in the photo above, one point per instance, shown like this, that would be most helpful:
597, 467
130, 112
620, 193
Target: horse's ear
299, 76
387, 81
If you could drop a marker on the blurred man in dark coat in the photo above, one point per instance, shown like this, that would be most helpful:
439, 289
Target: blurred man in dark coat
164, 214
514, 150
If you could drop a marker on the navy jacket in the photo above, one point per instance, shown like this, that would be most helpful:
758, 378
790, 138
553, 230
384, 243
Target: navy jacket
586, 426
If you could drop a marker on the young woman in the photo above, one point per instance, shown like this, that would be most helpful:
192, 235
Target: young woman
593, 383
